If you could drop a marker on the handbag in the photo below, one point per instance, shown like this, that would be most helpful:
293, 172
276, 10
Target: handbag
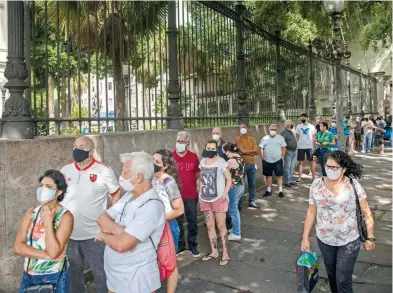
307, 271
363, 235
45, 287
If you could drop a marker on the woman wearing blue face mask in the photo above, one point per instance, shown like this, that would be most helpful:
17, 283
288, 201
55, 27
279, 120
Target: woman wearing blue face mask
42, 238
333, 202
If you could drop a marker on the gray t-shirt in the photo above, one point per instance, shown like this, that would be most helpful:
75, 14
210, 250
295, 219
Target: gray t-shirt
212, 180
136, 271
272, 147
167, 190
290, 139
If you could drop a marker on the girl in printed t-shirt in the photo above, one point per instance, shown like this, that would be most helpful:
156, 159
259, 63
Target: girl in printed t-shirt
165, 182
215, 183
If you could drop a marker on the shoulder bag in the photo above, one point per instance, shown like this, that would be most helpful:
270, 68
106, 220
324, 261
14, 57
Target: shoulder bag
44, 287
359, 216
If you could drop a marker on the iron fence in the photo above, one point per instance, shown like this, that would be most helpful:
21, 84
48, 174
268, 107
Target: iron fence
105, 66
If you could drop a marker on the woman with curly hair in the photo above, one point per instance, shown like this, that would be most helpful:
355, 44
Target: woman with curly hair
165, 182
43, 236
333, 202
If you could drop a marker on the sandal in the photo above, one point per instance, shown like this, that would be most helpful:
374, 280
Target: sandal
209, 257
224, 262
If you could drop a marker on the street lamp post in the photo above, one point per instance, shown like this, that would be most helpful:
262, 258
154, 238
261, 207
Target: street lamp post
340, 51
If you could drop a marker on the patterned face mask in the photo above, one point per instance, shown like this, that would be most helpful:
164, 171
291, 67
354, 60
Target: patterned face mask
45, 194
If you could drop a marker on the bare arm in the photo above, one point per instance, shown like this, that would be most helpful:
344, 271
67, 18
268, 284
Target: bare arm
309, 222
119, 243
283, 151
116, 196
109, 226
228, 181
55, 242
262, 153
368, 217
177, 211
20, 246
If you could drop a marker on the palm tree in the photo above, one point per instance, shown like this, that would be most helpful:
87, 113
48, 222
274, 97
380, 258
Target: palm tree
111, 29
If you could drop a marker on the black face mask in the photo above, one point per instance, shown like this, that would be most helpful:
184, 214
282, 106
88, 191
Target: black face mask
209, 154
157, 168
80, 155
303, 120
292, 126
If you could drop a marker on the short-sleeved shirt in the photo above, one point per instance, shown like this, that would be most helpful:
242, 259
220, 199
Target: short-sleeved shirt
87, 196
212, 180
358, 126
188, 170
325, 137
221, 152
368, 127
306, 136
290, 139
136, 271
334, 132
272, 147
336, 214
347, 131
247, 142
168, 190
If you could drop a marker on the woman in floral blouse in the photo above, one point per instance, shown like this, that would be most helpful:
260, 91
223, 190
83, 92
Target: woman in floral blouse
333, 203
43, 235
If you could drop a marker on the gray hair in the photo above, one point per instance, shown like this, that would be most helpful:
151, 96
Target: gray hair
287, 122
184, 134
141, 162
273, 125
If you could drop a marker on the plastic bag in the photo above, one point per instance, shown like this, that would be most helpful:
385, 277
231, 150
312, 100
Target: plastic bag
307, 271
307, 259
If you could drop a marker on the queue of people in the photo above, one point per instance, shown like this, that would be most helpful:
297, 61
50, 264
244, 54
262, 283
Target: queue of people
74, 222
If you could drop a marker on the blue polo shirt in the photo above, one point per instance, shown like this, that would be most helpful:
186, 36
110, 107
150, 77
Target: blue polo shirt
347, 131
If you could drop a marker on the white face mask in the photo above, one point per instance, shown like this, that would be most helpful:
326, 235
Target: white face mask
358, 119
243, 131
216, 137
334, 124
333, 175
273, 132
126, 184
180, 147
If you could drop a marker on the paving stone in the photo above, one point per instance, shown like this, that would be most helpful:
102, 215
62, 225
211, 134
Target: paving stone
192, 285
387, 217
381, 274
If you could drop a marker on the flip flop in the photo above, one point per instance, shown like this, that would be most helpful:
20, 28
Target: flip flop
209, 257
224, 262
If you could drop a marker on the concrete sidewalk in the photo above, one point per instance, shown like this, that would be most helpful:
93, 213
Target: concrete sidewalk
264, 261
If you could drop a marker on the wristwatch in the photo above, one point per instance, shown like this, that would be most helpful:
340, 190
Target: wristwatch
371, 239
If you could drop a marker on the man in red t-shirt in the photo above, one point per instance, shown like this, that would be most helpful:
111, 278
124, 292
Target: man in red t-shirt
188, 168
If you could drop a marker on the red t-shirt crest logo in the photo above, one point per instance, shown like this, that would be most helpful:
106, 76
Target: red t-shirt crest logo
93, 177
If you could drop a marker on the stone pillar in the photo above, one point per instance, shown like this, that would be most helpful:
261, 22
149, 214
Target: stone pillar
175, 116
240, 56
378, 98
387, 97
311, 84
281, 116
16, 108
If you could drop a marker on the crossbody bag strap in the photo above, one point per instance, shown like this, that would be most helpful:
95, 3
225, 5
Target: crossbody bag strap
31, 236
356, 193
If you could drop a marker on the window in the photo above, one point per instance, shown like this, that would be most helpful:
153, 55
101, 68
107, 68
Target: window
110, 86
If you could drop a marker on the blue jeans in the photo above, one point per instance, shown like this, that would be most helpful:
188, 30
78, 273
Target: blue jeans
289, 166
63, 286
367, 141
175, 232
323, 153
235, 194
250, 172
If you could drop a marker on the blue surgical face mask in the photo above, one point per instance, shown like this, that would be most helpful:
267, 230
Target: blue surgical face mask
45, 194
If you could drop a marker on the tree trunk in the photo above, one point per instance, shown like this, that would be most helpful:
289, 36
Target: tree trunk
121, 125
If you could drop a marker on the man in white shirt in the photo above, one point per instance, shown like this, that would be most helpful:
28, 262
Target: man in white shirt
89, 183
132, 229
273, 148
305, 133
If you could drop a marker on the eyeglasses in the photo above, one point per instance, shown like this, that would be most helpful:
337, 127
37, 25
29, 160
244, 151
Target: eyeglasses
333, 168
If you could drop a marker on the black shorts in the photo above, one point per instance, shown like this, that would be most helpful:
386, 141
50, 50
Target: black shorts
269, 168
303, 154
358, 136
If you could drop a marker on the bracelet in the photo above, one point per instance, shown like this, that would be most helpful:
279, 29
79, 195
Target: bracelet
371, 239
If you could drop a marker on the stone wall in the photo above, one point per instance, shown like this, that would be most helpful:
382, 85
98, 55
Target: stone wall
23, 161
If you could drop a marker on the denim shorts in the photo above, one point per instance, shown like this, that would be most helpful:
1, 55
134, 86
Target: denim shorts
63, 286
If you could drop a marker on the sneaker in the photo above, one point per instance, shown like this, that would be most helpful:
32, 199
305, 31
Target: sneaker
363, 152
230, 231
281, 194
180, 250
293, 183
252, 205
288, 185
267, 193
233, 237
300, 180
195, 252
